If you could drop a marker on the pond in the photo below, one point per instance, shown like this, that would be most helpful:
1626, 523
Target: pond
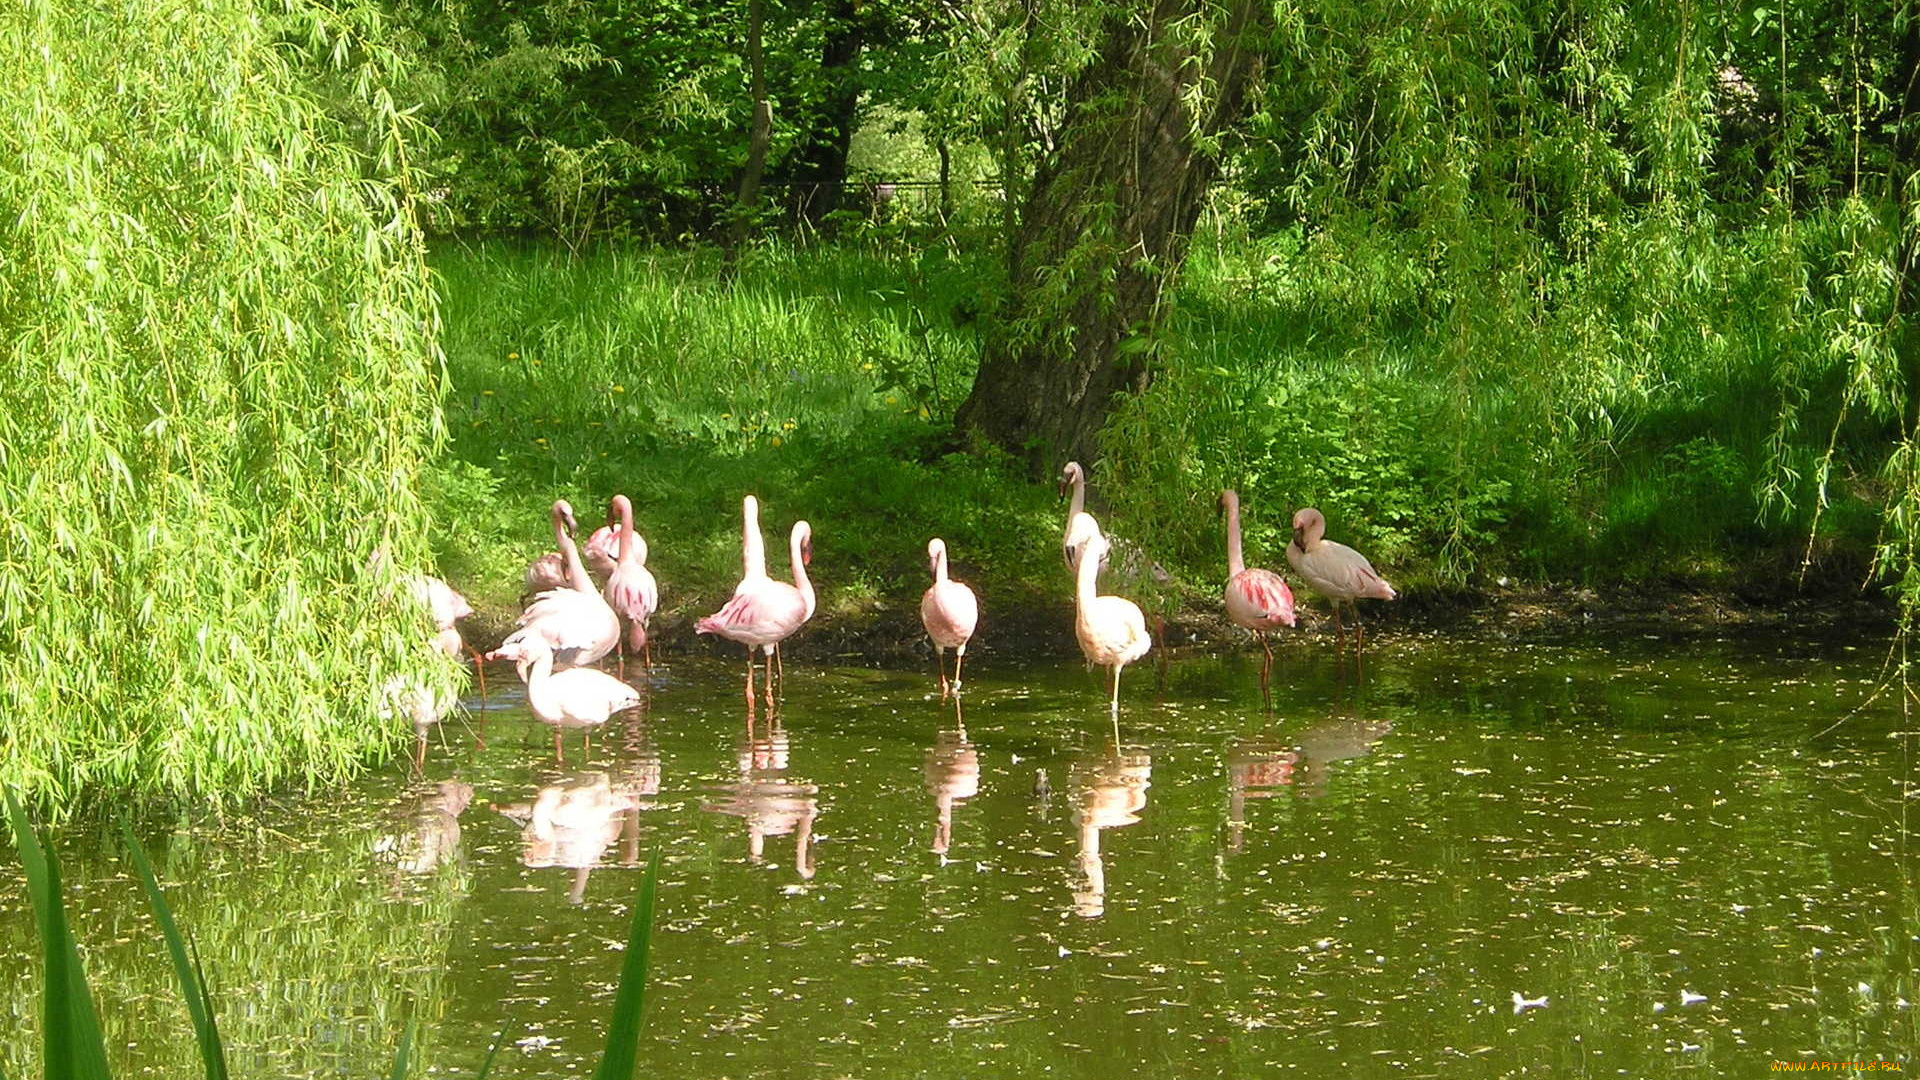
1490, 857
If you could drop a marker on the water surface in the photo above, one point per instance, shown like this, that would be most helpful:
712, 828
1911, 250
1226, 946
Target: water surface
1484, 858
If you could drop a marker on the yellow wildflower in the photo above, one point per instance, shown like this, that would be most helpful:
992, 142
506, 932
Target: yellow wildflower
776, 440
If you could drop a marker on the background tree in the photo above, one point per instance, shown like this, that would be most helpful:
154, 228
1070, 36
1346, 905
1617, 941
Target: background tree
1105, 227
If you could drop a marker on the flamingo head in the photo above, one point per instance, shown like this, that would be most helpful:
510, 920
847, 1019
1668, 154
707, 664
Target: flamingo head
1309, 525
619, 510
563, 516
805, 532
1071, 475
1229, 500
936, 554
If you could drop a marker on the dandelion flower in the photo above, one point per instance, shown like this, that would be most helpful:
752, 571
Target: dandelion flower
542, 441
513, 356
486, 393
776, 440
618, 389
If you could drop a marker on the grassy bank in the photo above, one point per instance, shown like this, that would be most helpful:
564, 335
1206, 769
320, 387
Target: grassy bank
824, 381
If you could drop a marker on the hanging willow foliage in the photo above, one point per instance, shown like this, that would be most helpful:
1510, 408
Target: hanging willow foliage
222, 380
1547, 286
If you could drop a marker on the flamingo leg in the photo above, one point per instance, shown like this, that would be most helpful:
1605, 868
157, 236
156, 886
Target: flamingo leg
959, 657
1114, 708
480, 673
940, 662
646, 648
559, 754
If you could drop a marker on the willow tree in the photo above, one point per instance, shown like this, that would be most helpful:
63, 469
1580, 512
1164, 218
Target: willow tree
222, 382
1104, 225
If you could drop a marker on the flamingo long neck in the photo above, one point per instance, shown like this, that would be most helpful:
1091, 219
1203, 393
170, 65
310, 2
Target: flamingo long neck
539, 690
1236, 562
753, 550
1089, 571
940, 566
1079, 503
629, 553
800, 579
570, 554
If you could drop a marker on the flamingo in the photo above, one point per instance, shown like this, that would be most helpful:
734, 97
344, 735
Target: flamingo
1335, 570
1256, 599
1111, 629
603, 550
764, 612
574, 620
631, 590
578, 697
949, 612
1072, 478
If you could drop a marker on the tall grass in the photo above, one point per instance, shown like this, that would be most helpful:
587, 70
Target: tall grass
222, 377
820, 380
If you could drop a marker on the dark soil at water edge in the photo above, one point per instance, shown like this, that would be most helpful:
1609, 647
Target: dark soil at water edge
1042, 626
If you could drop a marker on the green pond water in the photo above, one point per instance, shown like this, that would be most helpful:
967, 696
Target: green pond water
1620, 856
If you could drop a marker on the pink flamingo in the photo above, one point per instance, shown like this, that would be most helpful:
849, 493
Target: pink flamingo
574, 620
580, 697
631, 590
764, 612
1256, 599
1111, 630
1335, 570
603, 550
949, 612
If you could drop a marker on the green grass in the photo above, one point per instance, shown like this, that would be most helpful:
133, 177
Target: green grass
819, 381
824, 380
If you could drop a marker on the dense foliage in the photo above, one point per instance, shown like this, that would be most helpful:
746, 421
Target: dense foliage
222, 383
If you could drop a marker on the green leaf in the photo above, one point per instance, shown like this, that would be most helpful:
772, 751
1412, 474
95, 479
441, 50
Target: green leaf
71, 1045
404, 1051
623, 1032
486, 1063
186, 968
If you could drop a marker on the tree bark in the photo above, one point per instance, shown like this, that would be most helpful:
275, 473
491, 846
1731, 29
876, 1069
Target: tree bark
761, 133
1105, 227
821, 171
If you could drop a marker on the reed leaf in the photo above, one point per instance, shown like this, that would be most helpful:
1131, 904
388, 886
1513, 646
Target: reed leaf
71, 1045
404, 1051
622, 1054
486, 1063
186, 967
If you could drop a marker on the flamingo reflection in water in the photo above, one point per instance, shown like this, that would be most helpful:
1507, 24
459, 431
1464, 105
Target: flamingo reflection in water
1108, 792
1263, 768
571, 822
953, 774
764, 798
423, 831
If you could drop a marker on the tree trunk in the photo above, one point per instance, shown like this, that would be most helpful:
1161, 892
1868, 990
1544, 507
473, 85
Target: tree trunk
821, 171
760, 135
1105, 225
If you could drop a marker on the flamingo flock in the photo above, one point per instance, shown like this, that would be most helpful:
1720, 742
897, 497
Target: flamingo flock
570, 622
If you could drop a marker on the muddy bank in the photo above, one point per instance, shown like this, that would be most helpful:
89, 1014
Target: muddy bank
1042, 626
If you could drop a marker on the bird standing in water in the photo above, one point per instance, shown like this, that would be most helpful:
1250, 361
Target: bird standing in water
631, 591
764, 612
1334, 570
574, 620
1256, 599
949, 611
1111, 630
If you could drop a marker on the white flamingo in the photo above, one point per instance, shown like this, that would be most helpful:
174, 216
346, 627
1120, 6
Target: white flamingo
1111, 630
575, 698
1334, 570
949, 611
